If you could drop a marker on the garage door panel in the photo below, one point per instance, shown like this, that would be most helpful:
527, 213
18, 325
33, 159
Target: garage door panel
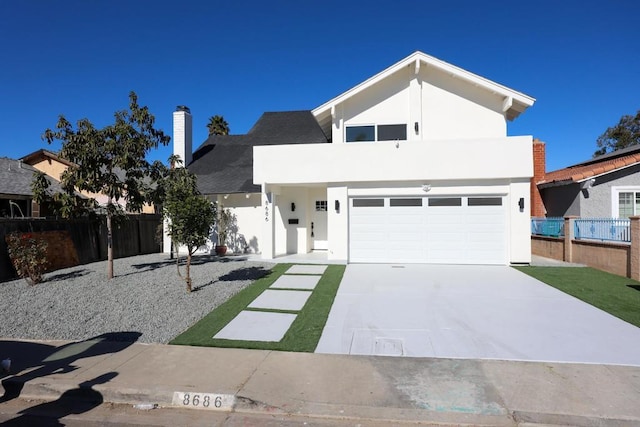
472, 232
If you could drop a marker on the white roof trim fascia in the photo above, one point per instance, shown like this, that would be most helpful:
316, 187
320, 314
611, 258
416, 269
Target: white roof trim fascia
607, 172
452, 70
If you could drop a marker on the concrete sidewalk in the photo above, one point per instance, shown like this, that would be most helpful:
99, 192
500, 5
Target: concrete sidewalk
358, 388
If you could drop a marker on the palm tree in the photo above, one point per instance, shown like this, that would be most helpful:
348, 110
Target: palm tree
218, 126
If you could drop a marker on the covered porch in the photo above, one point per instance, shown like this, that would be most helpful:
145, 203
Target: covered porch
295, 221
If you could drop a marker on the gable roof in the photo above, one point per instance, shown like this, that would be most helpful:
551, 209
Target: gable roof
600, 165
514, 103
223, 164
43, 154
16, 178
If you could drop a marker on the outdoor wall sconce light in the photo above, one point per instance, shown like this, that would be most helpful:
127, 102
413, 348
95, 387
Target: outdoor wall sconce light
521, 204
337, 206
293, 207
416, 127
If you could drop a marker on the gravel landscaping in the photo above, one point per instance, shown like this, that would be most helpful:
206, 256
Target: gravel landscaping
145, 296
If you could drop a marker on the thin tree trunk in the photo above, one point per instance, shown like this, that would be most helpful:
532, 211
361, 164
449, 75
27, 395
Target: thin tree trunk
177, 261
109, 242
188, 278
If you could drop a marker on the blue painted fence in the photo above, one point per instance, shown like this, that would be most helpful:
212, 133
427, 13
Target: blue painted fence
605, 229
552, 227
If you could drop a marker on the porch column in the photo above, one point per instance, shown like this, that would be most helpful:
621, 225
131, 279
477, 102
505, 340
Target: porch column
569, 235
634, 256
268, 203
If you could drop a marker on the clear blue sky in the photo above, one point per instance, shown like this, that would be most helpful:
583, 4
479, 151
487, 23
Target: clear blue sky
579, 59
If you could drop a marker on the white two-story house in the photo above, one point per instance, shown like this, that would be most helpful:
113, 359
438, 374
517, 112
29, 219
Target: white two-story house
413, 165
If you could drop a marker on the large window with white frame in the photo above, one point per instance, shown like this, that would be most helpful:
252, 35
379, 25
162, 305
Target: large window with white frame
372, 133
625, 201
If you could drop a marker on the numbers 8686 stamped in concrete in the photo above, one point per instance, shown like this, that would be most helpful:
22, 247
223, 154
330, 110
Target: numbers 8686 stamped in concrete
206, 401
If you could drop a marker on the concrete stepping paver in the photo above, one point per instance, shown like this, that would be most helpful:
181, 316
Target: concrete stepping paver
296, 282
306, 269
257, 326
281, 300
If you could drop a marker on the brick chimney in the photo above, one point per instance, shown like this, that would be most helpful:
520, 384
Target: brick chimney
182, 134
539, 170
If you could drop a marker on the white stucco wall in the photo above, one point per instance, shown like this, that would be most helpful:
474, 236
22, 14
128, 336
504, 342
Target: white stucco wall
388, 104
361, 162
443, 107
246, 233
496, 166
456, 110
338, 222
292, 238
520, 222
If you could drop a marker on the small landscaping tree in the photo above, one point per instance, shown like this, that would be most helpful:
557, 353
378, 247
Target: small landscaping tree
224, 220
99, 154
189, 215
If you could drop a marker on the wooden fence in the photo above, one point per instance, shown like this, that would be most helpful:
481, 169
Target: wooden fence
135, 235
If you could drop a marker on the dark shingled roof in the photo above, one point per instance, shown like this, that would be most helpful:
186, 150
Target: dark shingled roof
223, 164
16, 178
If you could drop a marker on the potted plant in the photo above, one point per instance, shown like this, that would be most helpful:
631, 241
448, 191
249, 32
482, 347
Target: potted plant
223, 223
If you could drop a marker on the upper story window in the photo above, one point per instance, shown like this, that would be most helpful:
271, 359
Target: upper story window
392, 132
360, 133
372, 133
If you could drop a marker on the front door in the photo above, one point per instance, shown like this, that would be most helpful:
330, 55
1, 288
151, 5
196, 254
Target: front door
318, 224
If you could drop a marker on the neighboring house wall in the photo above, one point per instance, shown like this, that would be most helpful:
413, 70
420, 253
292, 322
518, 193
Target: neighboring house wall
54, 168
603, 196
50, 167
562, 201
598, 201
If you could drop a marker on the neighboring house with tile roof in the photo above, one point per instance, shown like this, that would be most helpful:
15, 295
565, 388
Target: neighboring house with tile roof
16, 197
411, 165
52, 165
606, 186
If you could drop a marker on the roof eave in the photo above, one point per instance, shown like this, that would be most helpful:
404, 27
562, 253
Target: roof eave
418, 57
556, 183
586, 178
46, 154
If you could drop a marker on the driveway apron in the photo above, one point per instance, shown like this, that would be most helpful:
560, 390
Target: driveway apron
463, 311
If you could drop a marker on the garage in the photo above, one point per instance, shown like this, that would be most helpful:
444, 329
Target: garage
438, 230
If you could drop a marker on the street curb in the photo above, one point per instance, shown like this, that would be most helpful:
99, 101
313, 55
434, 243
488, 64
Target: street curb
50, 391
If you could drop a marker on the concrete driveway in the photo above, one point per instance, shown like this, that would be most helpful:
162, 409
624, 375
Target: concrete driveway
479, 312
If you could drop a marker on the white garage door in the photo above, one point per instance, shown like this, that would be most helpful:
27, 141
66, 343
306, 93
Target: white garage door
446, 230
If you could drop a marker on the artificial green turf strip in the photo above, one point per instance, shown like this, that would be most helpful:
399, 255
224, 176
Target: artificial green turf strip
302, 336
208, 326
616, 295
